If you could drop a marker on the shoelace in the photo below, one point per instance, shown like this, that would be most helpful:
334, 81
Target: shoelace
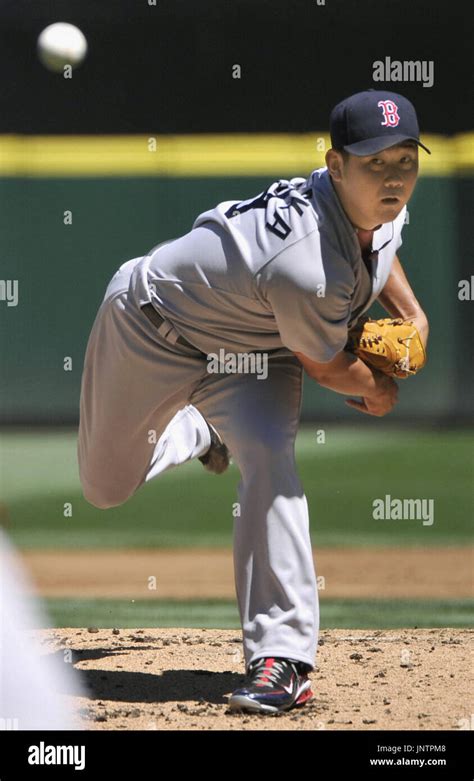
266, 676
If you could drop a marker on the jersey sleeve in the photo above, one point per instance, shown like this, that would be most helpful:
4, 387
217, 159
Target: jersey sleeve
310, 299
399, 223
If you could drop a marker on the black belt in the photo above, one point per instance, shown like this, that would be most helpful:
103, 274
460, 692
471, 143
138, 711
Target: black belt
157, 320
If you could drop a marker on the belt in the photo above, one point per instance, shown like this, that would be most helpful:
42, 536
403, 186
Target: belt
164, 327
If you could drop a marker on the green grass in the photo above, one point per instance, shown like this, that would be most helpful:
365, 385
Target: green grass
223, 614
189, 507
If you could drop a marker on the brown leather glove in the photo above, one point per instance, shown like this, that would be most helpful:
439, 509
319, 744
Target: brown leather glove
392, 346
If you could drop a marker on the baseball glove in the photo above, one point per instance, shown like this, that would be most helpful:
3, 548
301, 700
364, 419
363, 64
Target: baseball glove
392, 346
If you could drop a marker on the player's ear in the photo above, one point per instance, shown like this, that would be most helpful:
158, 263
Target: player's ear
334, 163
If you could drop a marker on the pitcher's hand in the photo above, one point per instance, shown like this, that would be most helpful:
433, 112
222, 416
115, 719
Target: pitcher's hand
381, 401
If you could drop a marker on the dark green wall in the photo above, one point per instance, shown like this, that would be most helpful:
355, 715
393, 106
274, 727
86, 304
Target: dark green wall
63, 270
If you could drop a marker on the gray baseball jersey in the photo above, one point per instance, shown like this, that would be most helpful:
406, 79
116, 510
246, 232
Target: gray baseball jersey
280, 272
281, 269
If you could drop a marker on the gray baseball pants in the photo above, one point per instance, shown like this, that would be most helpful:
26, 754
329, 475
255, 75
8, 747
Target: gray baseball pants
143, 410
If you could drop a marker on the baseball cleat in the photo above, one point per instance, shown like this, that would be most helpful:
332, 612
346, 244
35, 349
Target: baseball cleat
216, 458
275, 684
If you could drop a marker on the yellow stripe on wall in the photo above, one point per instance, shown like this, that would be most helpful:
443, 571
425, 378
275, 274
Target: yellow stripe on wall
200, 155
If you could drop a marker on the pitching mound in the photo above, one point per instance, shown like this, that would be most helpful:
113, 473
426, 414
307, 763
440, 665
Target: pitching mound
181, 679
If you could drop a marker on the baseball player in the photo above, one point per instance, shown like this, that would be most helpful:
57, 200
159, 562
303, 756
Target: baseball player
282, 276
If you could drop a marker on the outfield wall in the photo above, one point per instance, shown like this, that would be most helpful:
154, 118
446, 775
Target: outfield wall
120, 207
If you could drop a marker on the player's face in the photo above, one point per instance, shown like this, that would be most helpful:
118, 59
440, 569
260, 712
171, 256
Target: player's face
374, 189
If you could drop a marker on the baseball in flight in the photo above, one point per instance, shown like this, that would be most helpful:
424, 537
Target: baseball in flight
61, 44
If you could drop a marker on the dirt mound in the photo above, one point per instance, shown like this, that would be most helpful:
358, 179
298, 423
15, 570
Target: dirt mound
181, 678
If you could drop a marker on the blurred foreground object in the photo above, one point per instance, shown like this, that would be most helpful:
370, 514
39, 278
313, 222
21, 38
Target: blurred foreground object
34, 684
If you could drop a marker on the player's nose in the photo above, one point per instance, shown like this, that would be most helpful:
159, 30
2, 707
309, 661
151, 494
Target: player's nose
393, 178
393, 181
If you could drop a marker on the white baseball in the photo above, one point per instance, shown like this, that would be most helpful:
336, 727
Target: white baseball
61, 44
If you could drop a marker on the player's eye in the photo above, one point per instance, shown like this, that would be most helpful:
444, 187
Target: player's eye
376, 160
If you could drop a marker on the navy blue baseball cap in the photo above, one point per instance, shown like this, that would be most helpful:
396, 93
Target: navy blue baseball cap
373, 120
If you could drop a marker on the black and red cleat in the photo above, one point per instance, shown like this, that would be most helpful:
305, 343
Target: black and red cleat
275, 684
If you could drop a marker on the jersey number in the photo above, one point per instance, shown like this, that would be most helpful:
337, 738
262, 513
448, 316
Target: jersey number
284, 196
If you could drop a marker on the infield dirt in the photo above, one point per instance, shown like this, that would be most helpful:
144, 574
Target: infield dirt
169, 679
